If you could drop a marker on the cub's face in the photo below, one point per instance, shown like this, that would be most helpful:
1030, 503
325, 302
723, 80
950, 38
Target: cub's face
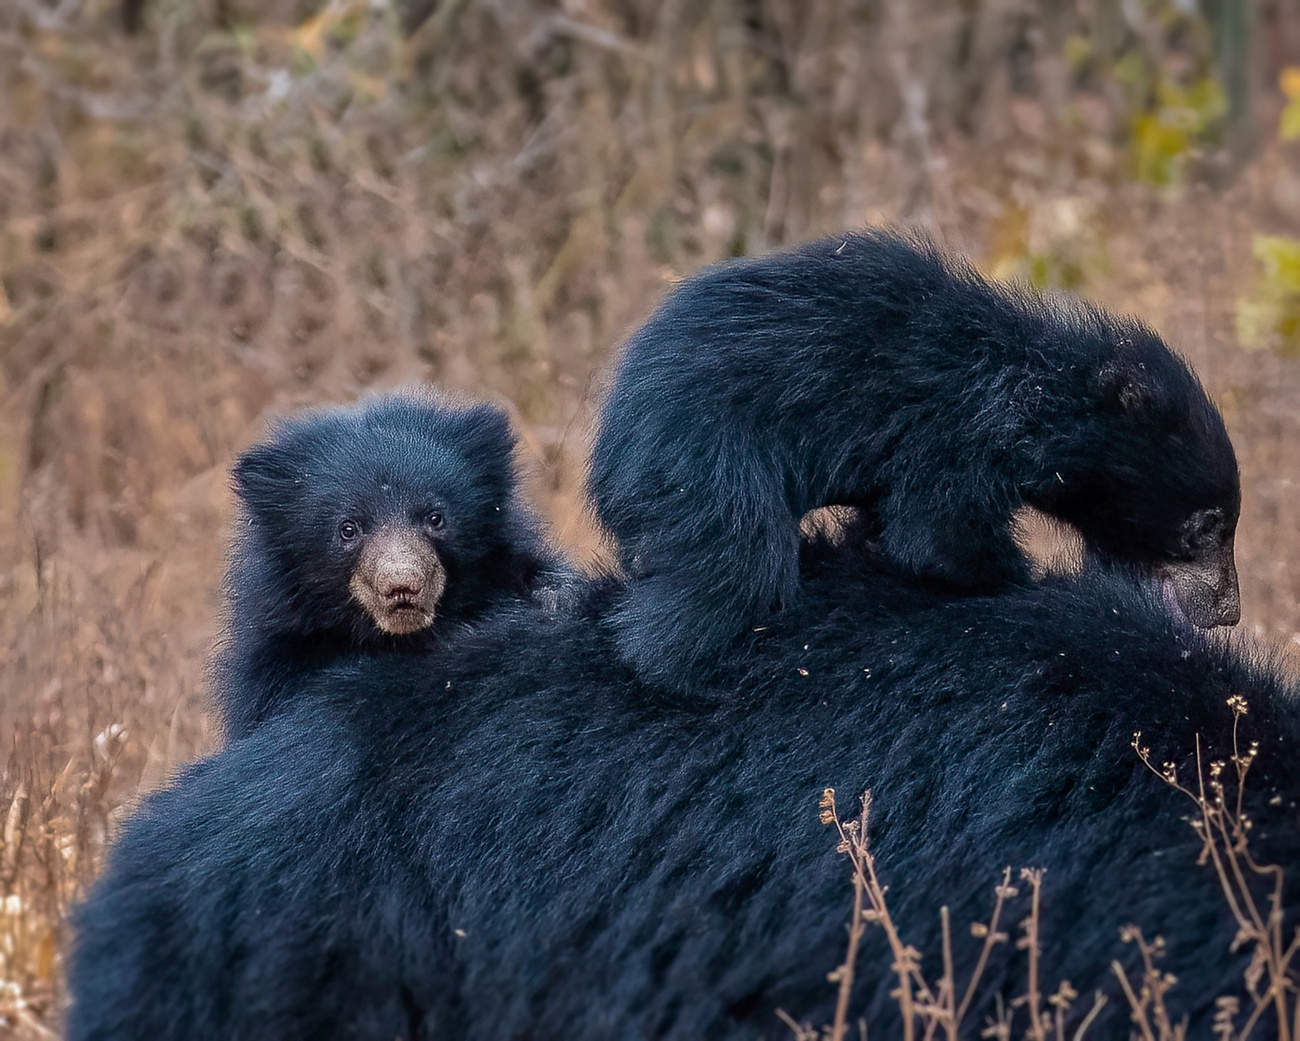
397, 576
1199, 571
374, 518
1162, 493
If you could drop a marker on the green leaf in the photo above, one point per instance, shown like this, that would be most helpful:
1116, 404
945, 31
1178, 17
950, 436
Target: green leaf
1288, 128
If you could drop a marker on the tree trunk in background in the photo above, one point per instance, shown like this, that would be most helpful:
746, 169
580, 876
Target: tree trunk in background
1231, 22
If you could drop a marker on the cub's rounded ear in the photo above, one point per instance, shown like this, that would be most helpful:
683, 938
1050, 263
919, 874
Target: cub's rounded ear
486, 431
265, 476
1127, 387
486, 441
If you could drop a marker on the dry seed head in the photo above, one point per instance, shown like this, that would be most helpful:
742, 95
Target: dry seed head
1064, 996
1226, 1009
1255, 970
827, 806
1238, 705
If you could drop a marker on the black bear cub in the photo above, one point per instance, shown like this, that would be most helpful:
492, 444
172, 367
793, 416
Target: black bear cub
869, 370
379, 527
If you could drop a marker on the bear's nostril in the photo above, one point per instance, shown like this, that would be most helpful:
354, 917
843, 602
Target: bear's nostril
400, 590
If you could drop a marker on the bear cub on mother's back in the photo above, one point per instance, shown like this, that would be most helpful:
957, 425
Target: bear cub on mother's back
872, 371
379, 527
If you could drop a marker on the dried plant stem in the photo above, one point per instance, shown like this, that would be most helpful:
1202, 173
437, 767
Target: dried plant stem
800, 1032
14, 833
991, 938
947, 985
853, 842
1098, 1003
1030, 941
856, 928
1223, 826
1137, 1008
934, 1007
905, 958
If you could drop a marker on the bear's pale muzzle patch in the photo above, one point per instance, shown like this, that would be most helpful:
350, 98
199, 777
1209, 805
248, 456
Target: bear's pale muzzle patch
399, 580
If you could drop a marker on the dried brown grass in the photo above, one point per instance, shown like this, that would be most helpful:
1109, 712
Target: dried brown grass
247, 207
1252, 892
930, 1009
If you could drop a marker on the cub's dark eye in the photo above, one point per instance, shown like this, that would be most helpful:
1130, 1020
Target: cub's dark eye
1205, 529
349, 530
435, 519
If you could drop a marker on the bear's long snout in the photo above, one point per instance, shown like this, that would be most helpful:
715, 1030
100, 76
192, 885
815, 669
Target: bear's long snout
1206, 589
399, 580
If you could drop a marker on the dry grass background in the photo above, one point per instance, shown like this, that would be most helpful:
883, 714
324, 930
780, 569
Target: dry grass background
247, 206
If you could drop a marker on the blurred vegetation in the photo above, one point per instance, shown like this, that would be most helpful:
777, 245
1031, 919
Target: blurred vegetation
215, 210
1271, 317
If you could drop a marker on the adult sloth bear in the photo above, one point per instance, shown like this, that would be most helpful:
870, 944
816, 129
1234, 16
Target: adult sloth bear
516, 839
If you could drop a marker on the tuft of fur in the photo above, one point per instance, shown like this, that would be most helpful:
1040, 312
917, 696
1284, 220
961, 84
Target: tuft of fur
869, 370
528, 842
374, 528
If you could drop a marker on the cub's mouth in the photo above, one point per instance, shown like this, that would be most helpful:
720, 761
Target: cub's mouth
403, 618
399, 581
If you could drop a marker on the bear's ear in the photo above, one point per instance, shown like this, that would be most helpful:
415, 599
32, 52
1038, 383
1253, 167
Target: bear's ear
486, 441
1127, 387
266, 476
486, 434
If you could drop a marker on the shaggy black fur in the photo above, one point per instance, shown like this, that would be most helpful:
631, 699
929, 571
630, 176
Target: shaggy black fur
327, 481
527, 843
868, 370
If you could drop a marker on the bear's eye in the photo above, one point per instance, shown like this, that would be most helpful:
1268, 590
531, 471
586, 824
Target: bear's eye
435, 519
1204, 529
349, 530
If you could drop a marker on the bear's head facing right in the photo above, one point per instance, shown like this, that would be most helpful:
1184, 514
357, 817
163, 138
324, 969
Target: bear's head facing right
1150, 478
375, 521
